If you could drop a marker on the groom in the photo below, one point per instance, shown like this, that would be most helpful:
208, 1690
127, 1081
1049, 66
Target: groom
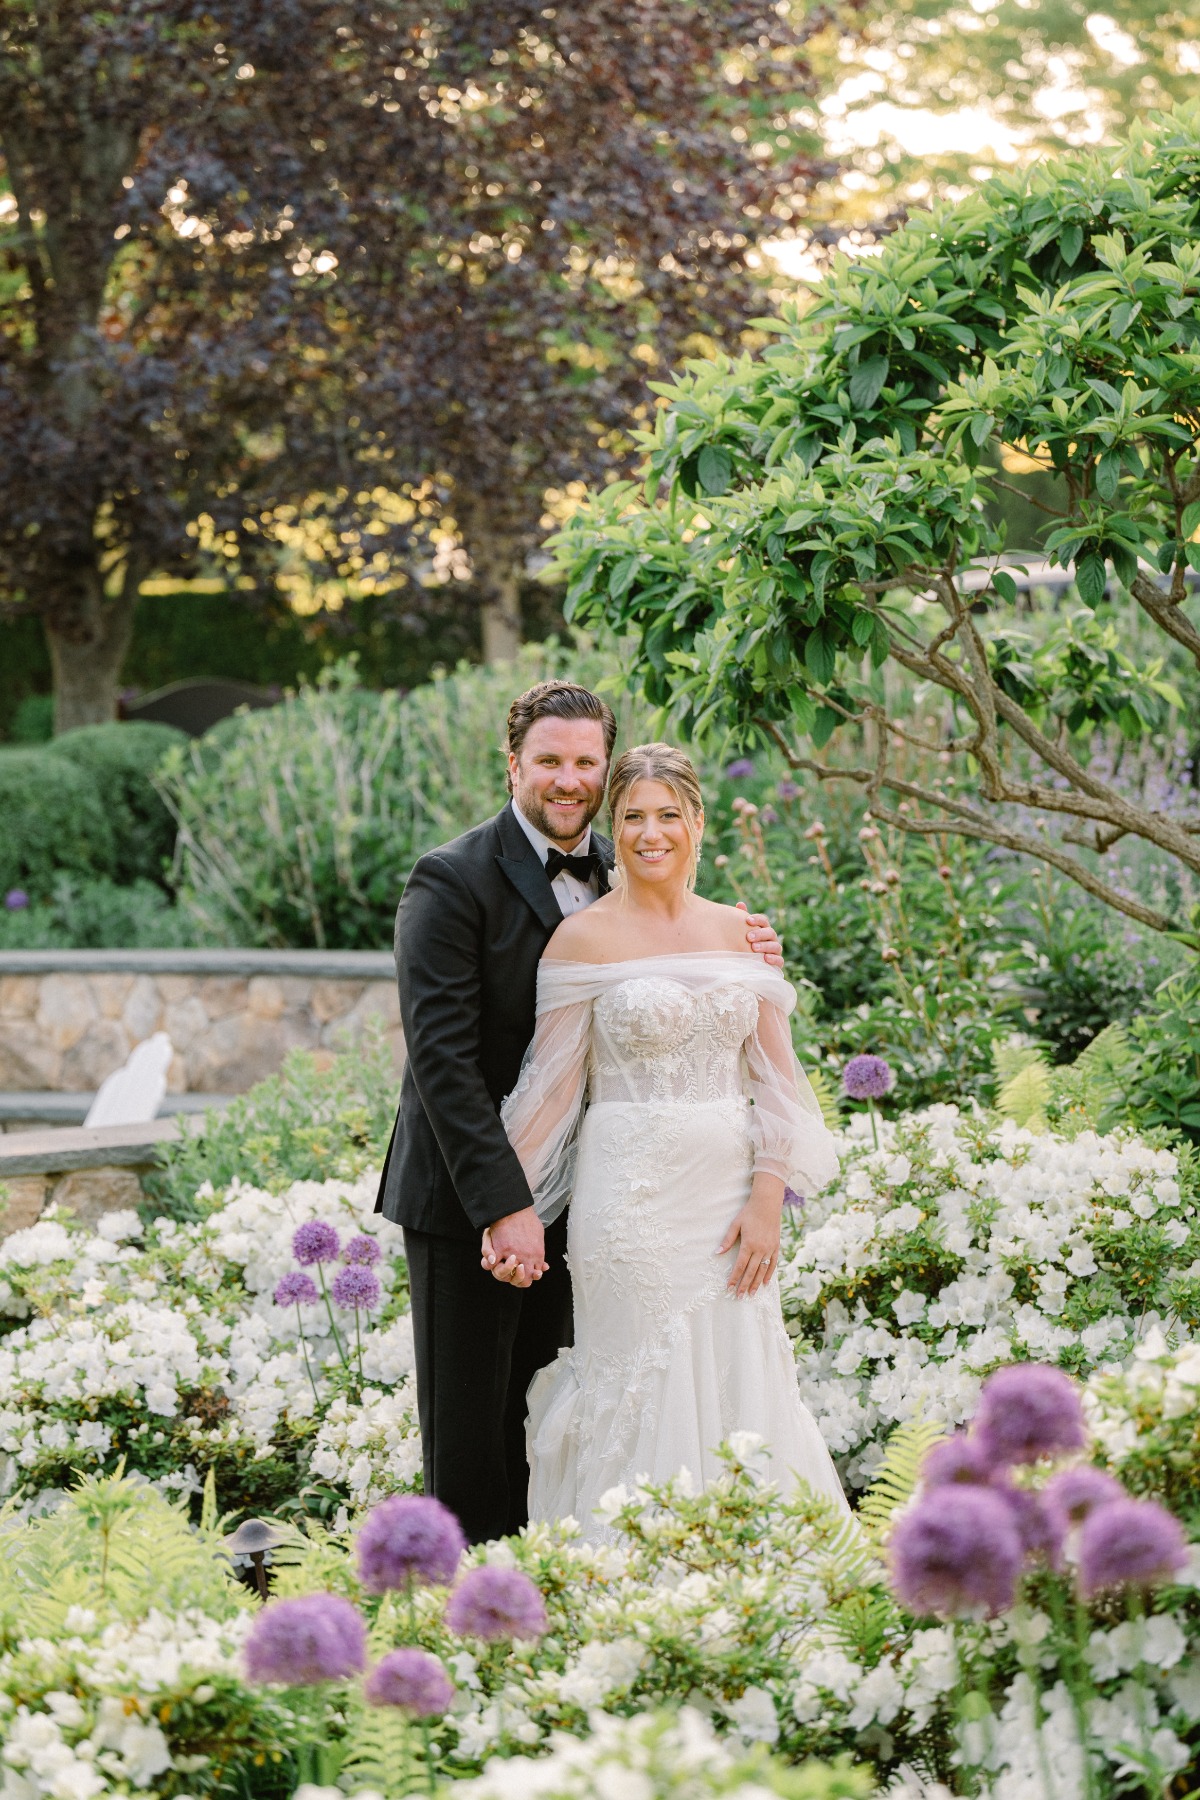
470, 930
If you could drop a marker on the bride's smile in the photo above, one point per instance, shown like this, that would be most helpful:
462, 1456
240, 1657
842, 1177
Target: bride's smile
656, 843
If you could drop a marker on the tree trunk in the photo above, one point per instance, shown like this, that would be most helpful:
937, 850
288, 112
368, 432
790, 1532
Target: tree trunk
88, 642
500, 622
497, 560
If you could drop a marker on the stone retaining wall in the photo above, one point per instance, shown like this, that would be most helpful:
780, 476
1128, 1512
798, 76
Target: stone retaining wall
68, 1018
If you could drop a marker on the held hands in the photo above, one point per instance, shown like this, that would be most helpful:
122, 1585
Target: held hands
756, 1233
514, 1249
761, 937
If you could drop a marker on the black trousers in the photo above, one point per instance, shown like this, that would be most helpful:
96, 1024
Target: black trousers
479, 1342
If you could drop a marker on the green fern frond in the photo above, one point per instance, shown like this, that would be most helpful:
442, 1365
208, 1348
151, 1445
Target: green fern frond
826, 1098
896, 1478
115, 1546
862, 1625
1103, 1062
383, 1750
1010, 1056
1024, 1098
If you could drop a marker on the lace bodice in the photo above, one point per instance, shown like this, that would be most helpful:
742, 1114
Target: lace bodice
653, 1039
693, 1029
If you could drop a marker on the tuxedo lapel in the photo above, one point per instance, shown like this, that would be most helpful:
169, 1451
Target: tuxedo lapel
524, 869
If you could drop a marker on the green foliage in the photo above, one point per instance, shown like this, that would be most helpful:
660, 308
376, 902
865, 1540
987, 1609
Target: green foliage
122, 760
114, 1546
306, 1123
1162, 1076
895, 1480
33, 720
896, 947
1146, 1075
53, 821
1024, 1096
1054, 312
114, 1603
97, 914
1148, 1421
84, 806
298, 825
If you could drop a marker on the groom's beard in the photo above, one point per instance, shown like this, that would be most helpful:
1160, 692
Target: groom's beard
533, 806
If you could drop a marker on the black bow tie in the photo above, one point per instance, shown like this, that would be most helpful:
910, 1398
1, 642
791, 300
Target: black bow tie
581, 867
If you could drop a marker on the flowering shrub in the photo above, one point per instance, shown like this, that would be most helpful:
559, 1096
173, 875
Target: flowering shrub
955, 1248
217, 1347
657, 1756
164, 1344
120, 1644
1145, 1420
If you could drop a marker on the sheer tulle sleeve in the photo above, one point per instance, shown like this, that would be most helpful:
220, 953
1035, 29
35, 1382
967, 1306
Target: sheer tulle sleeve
543, 1112
791, 1138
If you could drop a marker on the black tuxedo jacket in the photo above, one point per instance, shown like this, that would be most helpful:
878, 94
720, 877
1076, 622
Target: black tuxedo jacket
470, 930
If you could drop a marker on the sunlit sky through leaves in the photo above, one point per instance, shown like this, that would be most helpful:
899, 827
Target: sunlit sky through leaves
869, 130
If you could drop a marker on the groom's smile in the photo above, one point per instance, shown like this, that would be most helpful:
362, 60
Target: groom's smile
558, 778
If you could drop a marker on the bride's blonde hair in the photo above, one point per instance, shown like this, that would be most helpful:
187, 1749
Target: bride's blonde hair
664, 763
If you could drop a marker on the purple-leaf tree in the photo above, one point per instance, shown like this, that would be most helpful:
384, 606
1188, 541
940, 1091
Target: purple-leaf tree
334, 275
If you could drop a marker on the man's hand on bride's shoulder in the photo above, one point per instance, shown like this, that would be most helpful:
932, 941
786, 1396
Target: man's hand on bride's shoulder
514, 1248
762, 936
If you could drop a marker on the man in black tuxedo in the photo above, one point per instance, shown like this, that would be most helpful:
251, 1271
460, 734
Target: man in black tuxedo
471, 927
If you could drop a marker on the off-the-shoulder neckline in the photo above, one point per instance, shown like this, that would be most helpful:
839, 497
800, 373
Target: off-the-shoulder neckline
635, 962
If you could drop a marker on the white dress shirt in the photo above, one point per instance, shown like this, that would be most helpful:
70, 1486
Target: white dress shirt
572, 895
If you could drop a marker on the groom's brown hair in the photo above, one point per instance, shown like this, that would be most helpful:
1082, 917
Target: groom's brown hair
558, 700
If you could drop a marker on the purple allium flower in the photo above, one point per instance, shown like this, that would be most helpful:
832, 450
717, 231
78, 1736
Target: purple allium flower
792, 1198
956, 1551
315, 1242
356, 1286
959, 1459
1129, 1543
867, 1077
788, 790
411, 1679
316, 1637
740, 768
1077, 1492
1030, 1410
1039, 1526
410, 1537
16, 900
496, 1603
295, 1289
362, 1250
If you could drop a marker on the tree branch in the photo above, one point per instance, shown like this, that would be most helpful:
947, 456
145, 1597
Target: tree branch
1167, 614
966, 821
1055, 513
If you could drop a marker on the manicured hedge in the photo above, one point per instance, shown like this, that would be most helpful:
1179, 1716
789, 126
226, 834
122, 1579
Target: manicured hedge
121, 760
84, 805
51, 819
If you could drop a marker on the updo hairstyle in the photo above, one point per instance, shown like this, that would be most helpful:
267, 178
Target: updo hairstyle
666, 764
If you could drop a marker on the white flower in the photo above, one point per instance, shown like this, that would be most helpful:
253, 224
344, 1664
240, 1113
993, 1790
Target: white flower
613, 1501
908, 1306
754, 1716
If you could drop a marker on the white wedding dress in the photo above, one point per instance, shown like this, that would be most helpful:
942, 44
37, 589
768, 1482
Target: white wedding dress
651, 1092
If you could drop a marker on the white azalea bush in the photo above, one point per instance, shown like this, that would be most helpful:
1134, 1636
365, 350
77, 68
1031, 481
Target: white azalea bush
121, 1633
957, 1246
952, 1248
163, 1345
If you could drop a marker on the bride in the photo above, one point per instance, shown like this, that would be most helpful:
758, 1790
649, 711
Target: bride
661, 1097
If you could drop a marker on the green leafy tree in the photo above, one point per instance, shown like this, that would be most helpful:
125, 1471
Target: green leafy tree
815, 511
